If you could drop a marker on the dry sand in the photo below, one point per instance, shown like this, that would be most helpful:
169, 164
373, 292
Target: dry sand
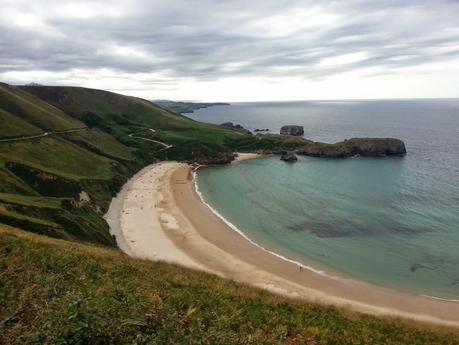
243, 156
139, 219
158, 215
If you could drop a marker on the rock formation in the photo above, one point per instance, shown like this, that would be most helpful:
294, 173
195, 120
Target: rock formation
292, 130
235, 127
289, 157
355, 146
219, 158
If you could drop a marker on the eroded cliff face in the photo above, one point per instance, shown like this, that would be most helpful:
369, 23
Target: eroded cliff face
355, 146
376, 146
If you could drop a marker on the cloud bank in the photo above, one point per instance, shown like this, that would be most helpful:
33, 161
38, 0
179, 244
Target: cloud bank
196, 49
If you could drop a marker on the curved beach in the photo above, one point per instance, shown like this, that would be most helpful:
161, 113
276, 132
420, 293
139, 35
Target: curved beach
159, 216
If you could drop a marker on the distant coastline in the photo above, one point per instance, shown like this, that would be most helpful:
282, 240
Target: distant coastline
186, 107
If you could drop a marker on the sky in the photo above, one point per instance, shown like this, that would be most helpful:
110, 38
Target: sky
235, 50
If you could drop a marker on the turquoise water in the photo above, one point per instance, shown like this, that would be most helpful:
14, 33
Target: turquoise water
392, 221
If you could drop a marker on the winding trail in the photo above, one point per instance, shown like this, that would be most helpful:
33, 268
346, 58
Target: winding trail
44, 134
166, 146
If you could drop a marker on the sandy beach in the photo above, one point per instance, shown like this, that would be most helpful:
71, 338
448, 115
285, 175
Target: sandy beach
159, 216
243, 156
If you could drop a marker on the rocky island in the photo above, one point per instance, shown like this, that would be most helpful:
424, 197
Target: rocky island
350, 147
292, 130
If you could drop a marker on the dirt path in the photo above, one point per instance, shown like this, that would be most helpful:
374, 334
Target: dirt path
166, 146
45, 134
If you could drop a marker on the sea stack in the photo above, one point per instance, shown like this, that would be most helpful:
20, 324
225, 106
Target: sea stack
292, 130
289, 157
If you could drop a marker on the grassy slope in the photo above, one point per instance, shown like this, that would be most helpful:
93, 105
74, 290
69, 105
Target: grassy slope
101, 143
59, 165
74, 168
54, 291
12, 126
121, 115
57, 156
96, 159
35, 111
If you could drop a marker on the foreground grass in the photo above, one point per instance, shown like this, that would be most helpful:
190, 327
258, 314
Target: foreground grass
54, 291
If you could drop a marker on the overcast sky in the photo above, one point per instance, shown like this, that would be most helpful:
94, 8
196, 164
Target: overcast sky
235, 50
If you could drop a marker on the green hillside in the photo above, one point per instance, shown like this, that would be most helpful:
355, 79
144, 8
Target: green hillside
57, 142
59, 292
12, 126
118, 114
33, 110
42, 177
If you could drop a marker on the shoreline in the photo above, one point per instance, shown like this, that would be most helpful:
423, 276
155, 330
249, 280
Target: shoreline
241, 233
194, 235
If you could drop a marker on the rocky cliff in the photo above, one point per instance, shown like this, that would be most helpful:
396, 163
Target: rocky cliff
219, 158
355, 146
236, 127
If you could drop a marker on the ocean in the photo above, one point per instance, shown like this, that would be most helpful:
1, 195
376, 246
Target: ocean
391, 221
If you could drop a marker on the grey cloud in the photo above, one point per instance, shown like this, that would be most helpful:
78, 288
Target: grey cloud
200, 39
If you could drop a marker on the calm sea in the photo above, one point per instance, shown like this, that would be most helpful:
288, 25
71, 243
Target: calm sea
392, 221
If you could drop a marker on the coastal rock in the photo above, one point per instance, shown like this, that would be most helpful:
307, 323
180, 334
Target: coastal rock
289, 157
236, 127
355, 146
220, 158
376, 146
292, 130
